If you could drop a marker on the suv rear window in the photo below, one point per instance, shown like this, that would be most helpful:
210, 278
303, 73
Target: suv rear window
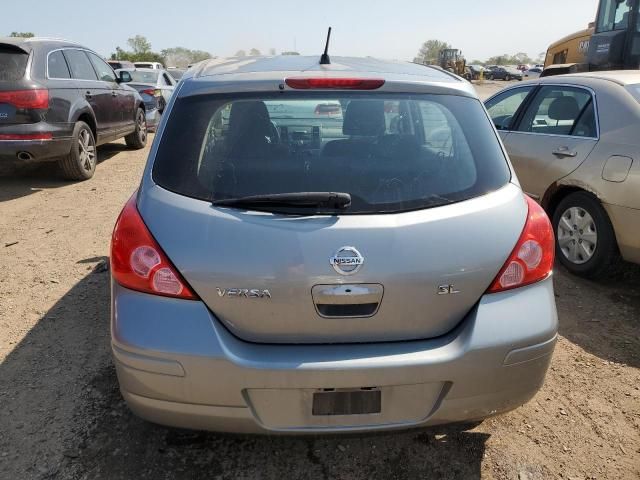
13, 63
634, 90
390, 152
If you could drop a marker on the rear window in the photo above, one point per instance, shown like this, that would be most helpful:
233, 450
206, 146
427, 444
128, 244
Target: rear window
144, 77
176, 74
390, 152
13, 63
634, 90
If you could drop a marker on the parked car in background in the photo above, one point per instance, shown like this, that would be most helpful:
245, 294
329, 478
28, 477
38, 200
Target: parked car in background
59, 101
274, 275
150, 98
153, 82
152, 65
523, 67
176, 73
573, 140
532, 73
476, 71
488, 69
504, 73
120, 64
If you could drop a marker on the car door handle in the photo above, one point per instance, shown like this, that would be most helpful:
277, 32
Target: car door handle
88, 95
114, 93
564, 152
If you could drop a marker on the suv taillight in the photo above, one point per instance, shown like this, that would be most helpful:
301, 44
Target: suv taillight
138, 262
37, 99
532, 258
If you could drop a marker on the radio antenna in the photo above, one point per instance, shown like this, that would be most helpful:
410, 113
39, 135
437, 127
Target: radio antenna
324, 59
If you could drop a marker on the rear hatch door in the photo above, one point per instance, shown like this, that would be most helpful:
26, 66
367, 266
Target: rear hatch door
432, 219
422, 271
13, 64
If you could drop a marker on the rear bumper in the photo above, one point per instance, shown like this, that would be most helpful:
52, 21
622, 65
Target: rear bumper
57, 147
36, 149
177, 365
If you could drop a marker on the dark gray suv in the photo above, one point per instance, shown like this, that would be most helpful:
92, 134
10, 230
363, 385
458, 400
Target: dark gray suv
58, 101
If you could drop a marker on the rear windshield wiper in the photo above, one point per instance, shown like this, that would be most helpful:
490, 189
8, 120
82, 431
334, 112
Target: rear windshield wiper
319, 200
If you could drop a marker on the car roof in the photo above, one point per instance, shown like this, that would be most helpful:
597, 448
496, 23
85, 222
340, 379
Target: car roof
29, 44
621, 77
276, 68
595, 80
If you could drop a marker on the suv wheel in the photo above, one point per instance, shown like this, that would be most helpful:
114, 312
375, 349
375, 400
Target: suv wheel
80, 163
585, 241
162, 104
507, 78
138, 139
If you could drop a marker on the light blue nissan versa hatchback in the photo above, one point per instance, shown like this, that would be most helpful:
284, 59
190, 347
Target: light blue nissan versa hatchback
330, 247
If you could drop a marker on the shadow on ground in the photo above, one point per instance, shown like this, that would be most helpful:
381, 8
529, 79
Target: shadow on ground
602, 316
20, 180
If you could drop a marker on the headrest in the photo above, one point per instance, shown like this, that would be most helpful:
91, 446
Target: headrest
564, 108
249, 120
364, 118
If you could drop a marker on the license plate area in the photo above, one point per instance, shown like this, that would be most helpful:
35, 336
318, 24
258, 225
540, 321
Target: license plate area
365, 401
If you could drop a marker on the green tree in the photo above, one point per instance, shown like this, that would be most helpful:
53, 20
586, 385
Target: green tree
140, 51
289, 53
504, 59
254, 52
199, 55
522, 57
272, 51
429, 51
22, 34
240, 53
182, 57
139, 44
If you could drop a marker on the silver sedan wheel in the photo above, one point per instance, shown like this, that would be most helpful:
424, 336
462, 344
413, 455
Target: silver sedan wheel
577, 235
86, 150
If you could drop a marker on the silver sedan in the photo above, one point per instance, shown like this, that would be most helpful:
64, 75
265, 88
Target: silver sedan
573, 140
153, 81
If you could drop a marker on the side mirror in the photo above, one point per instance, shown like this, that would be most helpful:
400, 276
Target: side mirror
124, 77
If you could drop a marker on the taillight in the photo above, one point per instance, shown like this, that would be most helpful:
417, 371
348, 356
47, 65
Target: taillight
532, 258
138, 262
32, 99
154, 92
335, 83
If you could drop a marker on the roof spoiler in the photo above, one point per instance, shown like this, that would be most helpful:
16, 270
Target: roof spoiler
11, 44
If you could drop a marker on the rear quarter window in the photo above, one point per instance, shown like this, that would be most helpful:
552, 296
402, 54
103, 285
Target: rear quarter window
390, 152
57, 65
13, 63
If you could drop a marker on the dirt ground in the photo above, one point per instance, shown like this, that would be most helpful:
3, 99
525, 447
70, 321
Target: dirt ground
62, 417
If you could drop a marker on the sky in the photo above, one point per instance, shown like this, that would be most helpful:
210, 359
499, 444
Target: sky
392, 29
